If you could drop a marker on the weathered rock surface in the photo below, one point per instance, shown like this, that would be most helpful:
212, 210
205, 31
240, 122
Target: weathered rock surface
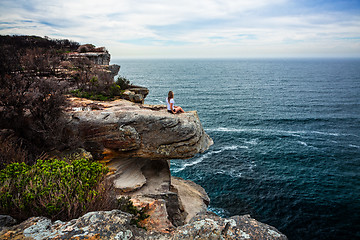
192, 197
130, 130
152, 190
135, 94
159, 219
6, 221
100, 57
211, 226
94, 225
116, 225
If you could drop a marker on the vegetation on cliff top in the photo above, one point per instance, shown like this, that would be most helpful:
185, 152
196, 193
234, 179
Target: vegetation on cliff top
103, 93
31, 96
35, 73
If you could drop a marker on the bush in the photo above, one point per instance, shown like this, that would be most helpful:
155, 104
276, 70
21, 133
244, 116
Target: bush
11, 151
125, 205
105, 93
52, 188
31, 96
123, 82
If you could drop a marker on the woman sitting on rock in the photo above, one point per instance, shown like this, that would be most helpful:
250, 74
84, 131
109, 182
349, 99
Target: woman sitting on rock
171, 104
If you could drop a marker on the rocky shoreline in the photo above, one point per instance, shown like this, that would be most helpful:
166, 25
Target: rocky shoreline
136, 142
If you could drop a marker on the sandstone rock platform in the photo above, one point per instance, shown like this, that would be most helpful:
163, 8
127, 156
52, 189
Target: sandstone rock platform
129, 130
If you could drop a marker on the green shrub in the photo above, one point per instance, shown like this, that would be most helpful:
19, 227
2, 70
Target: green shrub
95, 90
52, 188
110, 93
115, 90
123, 83
125, 205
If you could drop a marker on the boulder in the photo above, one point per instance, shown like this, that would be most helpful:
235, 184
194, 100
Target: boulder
159, 219
192, 197
132, 96
113, 70
135, 94
6, 221
211, 226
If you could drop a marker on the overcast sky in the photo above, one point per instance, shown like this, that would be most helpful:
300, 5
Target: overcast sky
194, 28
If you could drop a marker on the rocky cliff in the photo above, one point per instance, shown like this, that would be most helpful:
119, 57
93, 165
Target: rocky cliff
137, 141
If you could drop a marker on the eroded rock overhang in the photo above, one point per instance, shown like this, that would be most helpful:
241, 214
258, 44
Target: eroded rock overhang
124, 129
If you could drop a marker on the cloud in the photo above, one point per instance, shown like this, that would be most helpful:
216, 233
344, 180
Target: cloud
203, 28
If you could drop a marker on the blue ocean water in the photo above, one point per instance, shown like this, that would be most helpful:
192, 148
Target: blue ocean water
286, 134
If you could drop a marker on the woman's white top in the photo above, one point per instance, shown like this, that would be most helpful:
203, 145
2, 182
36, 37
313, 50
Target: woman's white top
168, 104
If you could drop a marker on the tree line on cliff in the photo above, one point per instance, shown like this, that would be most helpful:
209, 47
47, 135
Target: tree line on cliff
31, 97
35, 73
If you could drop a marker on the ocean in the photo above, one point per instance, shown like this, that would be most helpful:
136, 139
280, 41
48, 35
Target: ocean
286, 137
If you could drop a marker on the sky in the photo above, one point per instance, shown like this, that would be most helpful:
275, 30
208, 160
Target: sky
194, 28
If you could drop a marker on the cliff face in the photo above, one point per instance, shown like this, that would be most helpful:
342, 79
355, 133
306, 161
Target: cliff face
136, 141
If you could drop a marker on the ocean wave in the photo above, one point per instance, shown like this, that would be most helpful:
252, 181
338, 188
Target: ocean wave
326, 133
207, 155
354, 146
277, 132
307, 145
218, 211
252, 141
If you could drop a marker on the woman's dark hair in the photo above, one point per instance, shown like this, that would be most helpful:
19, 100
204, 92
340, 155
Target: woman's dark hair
170, 95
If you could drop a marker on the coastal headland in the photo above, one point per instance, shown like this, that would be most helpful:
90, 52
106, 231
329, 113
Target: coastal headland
136, 142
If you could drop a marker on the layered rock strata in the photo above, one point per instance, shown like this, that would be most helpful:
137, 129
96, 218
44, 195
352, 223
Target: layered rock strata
99, 57
126, 130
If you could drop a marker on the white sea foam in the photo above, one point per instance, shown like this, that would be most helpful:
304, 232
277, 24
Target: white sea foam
225, 129
207, 155
218, 211
234, 174
252, 141
354, 146
326, 133
276, 131
234, 147
303, 143
252, 165
197, 160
